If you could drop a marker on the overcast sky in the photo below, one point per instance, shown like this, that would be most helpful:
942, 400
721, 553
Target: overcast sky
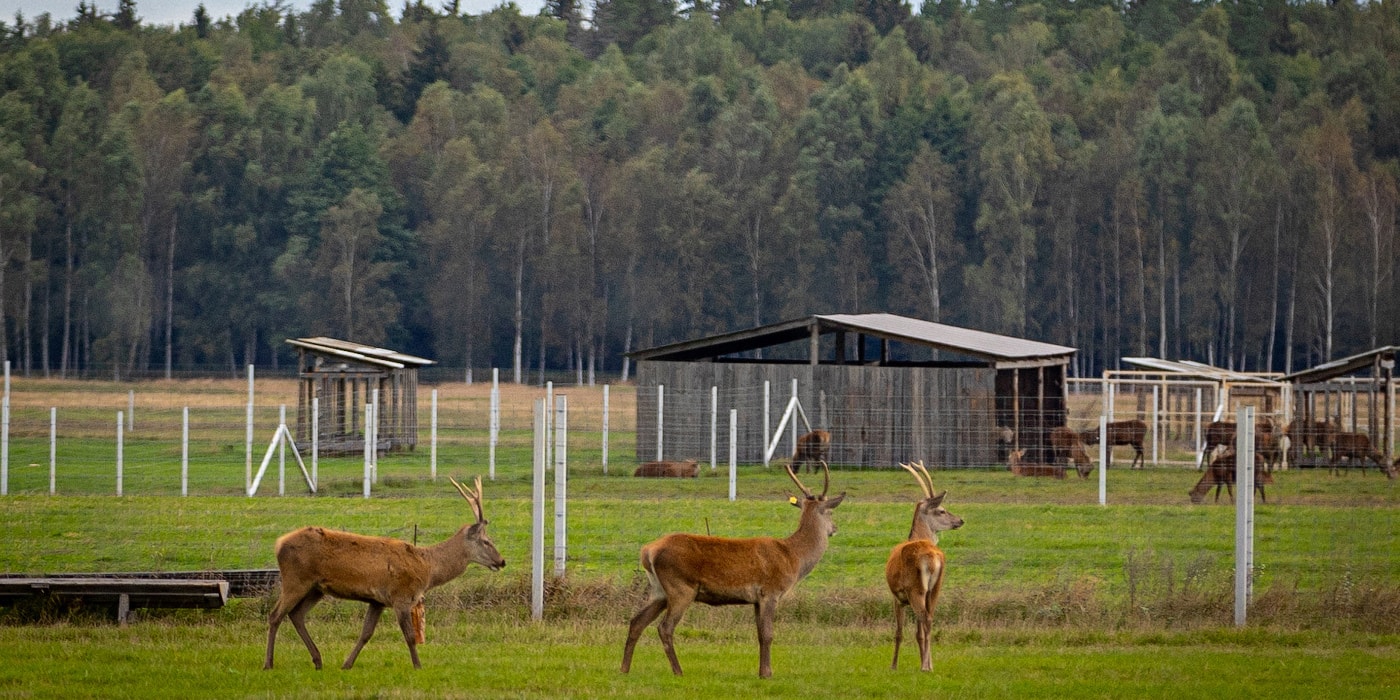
154, 12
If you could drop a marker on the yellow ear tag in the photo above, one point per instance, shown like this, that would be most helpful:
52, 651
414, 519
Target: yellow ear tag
792, 500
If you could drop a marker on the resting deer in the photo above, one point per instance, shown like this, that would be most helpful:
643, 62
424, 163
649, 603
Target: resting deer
384, 572
676, 470
683, 568
914, 570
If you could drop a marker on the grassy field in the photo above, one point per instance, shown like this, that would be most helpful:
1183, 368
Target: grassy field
1048, 593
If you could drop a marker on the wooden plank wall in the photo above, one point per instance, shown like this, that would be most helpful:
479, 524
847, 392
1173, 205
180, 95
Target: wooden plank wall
878, 416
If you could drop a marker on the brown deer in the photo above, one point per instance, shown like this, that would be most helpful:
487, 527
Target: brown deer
1066, 444
1019, 468
1356, 448
1123, 432
679, 470
811, 450
683, 568
383, 572
914, 570
1221, 473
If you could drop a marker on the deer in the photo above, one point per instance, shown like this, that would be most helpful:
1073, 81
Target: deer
1123, 432
1065, 443
811, 450
915, 568
1019, 468
1221, 473
682, 568
679, 470
384, 572
1356, 448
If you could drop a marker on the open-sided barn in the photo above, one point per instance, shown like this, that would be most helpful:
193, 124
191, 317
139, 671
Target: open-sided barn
889, 388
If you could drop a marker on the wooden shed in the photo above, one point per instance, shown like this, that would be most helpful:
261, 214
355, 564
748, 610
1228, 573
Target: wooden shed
343, 377
1356, 393
889, 388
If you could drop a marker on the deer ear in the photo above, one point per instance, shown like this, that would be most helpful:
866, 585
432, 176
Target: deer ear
835, 501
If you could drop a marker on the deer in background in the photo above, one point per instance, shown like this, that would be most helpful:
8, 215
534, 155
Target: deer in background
914, 570
1221, 473
1123, 432
1356, 448
678, 470
385, 573
1019, 468
811, 450
1066, 444
682, 569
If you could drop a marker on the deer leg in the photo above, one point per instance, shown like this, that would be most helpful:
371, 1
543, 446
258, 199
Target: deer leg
294, 608
410, 635
919, 604
763, 612
371, 620
926, 621
675, 608
639, 623
298, 618
898, 632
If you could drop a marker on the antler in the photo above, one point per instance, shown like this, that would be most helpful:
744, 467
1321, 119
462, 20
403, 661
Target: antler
826, 480
924, 485
473, 497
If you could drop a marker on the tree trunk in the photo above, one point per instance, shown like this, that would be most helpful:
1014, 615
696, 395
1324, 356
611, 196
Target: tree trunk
66, 349
170, 297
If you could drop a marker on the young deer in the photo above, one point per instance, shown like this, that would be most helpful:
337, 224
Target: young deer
384, 572
915, 567
684, 568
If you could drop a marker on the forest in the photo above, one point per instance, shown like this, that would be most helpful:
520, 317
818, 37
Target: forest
1214, 181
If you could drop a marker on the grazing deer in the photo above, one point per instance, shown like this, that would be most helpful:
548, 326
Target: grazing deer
1356, 448
1123, 432
914, 570
679, 470
1221, 473
1065, 444
758, 571
384, 572
811, 450
1019, 468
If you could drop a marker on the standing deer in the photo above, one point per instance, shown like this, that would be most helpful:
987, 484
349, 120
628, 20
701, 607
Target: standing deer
1356, 448
384, 572
1066, 444
811, 450
1221, 473
1123, 432
914, 570
758, 571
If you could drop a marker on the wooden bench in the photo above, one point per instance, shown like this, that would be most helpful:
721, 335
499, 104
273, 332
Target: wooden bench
126, 593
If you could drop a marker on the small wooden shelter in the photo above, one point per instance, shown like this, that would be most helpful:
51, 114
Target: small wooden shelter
1355, 393
889, 388
343, 377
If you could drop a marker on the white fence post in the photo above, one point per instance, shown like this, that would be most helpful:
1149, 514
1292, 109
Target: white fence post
1244, 512
281, 450
548, 424
537, 516
432, 441
315, 440
1103, 460
793, 429
660, 418
369, 419
1199, 446
733, 451
374, 431
561, 483
53, 450
5, 439
495, 419
1155, 426
120, 424
605, 429
185, 452
248, 437
766, 422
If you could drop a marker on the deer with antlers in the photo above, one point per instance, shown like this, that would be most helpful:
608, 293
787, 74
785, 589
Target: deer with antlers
385, 573
914, 570
683, 569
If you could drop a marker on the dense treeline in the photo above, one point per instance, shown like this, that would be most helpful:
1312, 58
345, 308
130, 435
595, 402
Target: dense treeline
1212, 181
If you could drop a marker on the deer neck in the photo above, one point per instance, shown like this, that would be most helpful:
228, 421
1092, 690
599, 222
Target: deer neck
920, 531
448, 558
808, 544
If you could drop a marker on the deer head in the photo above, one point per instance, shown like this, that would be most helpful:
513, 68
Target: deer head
480, 548
930, 516
817, 506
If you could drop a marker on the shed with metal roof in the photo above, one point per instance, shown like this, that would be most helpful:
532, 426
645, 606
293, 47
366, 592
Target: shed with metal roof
343, 377
1355, 394
889, 388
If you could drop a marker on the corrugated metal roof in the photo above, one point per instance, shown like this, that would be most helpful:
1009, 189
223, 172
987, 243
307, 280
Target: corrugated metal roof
980, 344
1192, 368
359, 352
967, 340
1346, 365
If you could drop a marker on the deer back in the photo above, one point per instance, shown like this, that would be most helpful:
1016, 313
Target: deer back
354, 567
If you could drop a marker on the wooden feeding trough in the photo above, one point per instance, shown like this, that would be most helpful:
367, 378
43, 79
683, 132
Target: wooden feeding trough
343, 378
